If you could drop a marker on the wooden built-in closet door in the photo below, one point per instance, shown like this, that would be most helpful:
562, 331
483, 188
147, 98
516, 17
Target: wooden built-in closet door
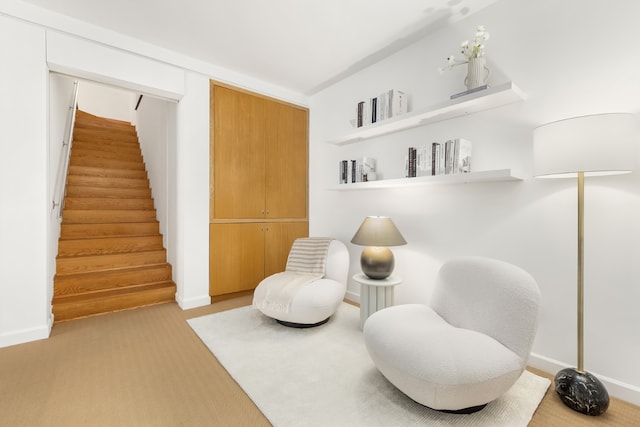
238, 155
286, 160
277, 244
236, 257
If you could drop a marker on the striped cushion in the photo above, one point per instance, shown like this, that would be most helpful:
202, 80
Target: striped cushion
308, 255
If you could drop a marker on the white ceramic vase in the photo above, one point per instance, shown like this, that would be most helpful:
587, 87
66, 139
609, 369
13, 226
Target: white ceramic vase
477, 73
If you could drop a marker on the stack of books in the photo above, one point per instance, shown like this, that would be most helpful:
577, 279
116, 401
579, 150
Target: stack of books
450, 157
361, 170
384, 106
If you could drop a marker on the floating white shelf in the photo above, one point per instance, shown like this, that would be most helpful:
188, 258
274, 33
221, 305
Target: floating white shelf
492, 97
464, 178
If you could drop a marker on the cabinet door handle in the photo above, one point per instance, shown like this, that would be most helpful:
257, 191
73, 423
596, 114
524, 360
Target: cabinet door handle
267, 212
262, 212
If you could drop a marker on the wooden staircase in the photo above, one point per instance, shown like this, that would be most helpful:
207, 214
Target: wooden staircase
110, 252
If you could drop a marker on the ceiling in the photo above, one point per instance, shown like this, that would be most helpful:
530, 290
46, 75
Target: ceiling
300, 45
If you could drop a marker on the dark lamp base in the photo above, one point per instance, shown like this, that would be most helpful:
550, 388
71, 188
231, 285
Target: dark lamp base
581, 391
377, 262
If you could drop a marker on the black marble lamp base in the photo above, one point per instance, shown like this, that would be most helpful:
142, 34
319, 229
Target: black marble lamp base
581, 391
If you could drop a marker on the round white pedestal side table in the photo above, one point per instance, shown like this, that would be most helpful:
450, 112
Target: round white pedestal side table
375, 294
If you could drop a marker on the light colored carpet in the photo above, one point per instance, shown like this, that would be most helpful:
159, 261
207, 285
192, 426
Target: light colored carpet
324, 377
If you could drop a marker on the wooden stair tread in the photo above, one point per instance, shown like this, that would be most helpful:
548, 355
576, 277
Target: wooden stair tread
107, 172
67, 284
108, 245
99, 216
108, 203
69, 308
76, 231
106, 146
107, 181
85, 297
107, 262
102, 162
117, 192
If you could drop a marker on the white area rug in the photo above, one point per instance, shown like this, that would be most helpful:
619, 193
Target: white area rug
323, 376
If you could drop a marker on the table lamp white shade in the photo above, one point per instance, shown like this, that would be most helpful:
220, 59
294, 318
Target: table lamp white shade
601, 144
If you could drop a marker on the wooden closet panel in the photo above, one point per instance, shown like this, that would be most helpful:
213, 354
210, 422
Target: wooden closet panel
278, 241
238, 155
236, 257
287, 161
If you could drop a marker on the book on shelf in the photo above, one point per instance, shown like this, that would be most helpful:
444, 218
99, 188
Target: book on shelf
351, 171
469, 91
450, 157
382, 107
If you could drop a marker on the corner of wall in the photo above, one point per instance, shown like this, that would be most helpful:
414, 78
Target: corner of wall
193, 302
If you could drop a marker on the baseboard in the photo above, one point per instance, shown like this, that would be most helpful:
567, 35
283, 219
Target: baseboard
618, 389
26, 335
189, 303
352, 296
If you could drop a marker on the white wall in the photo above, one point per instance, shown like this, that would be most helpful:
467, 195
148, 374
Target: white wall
571, 58
91, 61
152, 121
61, 97
106, 101
24, 192
191, 186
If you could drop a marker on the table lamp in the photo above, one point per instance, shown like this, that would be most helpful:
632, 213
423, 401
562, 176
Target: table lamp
377, 233
595, 145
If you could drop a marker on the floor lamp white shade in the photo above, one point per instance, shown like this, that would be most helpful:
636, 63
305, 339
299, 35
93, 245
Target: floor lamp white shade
603, 144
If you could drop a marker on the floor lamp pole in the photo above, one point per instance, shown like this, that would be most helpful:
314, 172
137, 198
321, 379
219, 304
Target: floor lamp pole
577, 388
580, 271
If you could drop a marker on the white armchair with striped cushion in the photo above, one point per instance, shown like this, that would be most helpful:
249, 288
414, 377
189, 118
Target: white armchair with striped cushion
312, 286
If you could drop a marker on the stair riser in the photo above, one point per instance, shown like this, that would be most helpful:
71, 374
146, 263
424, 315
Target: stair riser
116, 147
126, 156
107, 134
84, 118
92, 282
77, 231
96, 263
68, 311
99, 162
112, 173
106, 182
85, 203
100, 192
110, 216
126, 129
105, 246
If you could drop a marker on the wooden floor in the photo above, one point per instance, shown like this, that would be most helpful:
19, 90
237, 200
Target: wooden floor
146, 367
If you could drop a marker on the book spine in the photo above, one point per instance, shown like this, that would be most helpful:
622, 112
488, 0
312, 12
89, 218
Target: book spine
354, 171
435, 154
374, 109
343, 172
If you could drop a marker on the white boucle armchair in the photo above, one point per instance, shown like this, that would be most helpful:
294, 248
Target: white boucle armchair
315, 302
466, 348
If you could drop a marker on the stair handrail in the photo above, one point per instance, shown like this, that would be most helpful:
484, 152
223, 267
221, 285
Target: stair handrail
65, 153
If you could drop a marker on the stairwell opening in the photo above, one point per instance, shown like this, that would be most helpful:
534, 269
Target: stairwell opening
115, 237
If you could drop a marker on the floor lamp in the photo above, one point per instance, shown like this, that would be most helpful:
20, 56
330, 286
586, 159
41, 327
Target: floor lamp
602, 144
